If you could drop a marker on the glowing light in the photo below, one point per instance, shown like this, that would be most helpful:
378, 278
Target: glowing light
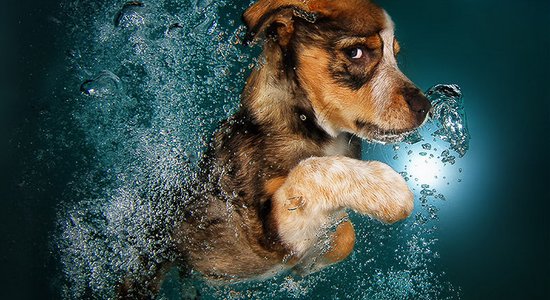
425, 170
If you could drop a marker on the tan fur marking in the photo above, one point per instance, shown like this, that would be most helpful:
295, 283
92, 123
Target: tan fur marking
330, 101
285, 32
254, 13
342, 243
396, 47
272, 185
374, 41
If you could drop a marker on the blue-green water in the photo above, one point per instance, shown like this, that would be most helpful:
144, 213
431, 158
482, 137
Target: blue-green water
110, 105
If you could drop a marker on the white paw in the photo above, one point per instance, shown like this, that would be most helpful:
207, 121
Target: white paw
393, 200
320, 187
368, 187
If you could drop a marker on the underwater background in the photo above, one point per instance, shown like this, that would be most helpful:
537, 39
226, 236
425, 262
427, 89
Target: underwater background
62, 146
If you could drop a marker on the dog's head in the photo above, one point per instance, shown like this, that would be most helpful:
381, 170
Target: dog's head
343, 54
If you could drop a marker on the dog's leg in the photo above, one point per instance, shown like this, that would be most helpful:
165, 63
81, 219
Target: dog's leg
317, 191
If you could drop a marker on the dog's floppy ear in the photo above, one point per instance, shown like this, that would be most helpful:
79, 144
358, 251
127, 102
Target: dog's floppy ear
275, 17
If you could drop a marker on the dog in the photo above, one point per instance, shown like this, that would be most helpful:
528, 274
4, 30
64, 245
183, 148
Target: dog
279, 174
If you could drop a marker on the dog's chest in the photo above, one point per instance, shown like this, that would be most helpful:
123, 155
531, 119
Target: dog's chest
342, 145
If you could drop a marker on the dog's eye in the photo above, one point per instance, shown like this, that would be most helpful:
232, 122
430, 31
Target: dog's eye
355, 53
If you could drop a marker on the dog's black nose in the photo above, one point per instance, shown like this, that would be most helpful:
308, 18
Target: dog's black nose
418, 103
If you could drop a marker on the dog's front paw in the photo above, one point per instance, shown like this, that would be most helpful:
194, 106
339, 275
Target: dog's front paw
333, 183
389, 199
320, 187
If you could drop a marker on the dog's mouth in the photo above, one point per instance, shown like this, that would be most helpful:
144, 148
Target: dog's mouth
375, 133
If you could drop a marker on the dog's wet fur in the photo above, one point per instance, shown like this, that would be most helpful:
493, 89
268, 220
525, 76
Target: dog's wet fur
280, 174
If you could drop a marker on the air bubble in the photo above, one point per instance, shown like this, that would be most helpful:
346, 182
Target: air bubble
104, 84
426, 192
174, 29
413, 138
447, 158
420, 219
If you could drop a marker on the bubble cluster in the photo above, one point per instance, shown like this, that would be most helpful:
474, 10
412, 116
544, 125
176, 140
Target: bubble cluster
427, 161
130, 15
147, 94
448, 117
104, 84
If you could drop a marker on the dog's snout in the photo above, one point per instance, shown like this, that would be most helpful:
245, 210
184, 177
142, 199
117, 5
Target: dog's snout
418, 103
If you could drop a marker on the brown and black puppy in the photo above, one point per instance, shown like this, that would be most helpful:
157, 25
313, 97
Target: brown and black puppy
281, 172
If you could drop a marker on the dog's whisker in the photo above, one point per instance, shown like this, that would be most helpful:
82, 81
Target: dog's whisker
309, 56
351, 138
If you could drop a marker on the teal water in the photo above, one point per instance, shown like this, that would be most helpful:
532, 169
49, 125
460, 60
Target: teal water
111, 103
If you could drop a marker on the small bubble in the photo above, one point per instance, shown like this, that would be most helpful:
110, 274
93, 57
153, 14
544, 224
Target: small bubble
105, 83
420, 219
413, 138
427, 192
173, 29
448, 159
426, 146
